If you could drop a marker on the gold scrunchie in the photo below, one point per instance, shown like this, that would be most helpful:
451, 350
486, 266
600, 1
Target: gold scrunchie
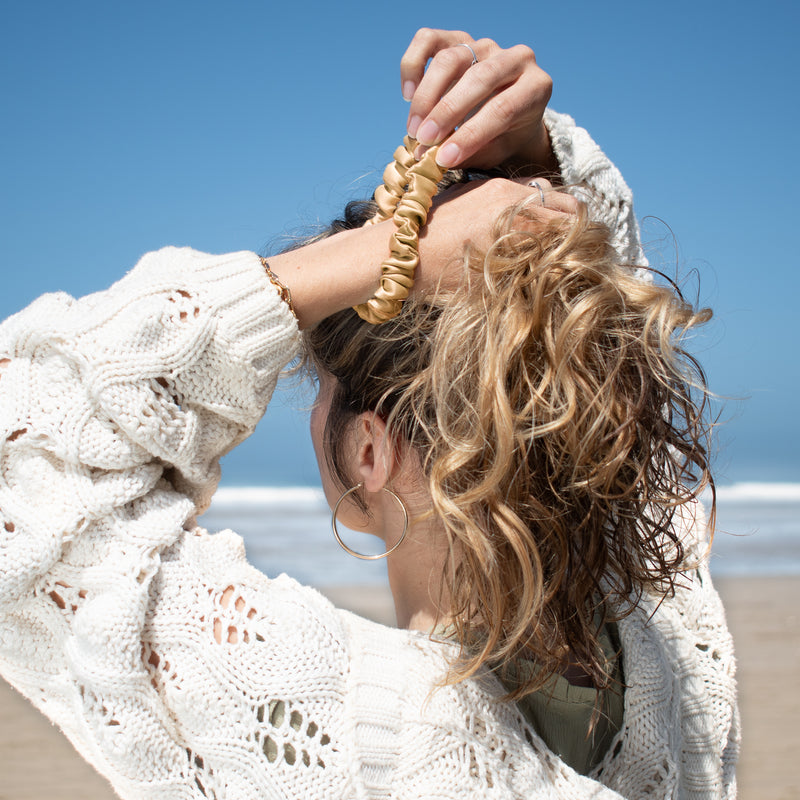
406, 195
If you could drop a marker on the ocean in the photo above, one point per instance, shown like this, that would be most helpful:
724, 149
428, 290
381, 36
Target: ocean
288, 530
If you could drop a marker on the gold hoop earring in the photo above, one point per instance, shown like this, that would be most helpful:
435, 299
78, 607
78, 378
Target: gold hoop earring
350, 550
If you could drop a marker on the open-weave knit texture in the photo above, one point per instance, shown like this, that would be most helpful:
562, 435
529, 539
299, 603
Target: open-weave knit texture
180, 671
589, 174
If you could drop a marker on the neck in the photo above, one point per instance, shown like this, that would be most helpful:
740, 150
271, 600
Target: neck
415, 576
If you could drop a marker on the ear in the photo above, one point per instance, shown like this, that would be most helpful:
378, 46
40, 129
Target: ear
376, 456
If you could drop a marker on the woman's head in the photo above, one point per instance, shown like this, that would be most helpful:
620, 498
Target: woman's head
552, 412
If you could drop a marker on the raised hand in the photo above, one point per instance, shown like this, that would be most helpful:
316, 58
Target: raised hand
486, 112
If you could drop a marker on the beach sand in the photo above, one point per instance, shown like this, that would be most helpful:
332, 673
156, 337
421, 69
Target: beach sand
37, 763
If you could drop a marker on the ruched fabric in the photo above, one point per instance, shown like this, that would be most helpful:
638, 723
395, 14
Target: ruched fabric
406, 195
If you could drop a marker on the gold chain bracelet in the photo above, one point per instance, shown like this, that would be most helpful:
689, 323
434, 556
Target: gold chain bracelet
283, 290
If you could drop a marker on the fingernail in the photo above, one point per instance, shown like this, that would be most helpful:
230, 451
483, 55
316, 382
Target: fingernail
413, 124
449, 155
409, 87
428, 132
420, 151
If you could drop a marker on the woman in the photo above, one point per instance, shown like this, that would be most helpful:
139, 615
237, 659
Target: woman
180, 671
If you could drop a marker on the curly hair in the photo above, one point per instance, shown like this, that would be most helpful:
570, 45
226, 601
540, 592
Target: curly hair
560, 424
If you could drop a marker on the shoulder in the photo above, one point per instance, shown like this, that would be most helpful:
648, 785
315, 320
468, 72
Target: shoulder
681, 720
374, 697
418, 736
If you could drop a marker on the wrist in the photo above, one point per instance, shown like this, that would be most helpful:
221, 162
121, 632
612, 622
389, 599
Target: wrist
332, 274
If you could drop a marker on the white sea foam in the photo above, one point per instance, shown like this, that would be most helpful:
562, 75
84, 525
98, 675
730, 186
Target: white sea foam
757, 529
238, 496
288, 529
759, 493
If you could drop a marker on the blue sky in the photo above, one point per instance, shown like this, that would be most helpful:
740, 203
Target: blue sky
129, 126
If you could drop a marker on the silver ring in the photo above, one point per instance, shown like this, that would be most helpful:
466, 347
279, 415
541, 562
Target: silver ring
474, 57
539, 187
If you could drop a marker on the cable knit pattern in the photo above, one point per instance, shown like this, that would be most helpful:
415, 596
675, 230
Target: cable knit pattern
585, 166
180, 671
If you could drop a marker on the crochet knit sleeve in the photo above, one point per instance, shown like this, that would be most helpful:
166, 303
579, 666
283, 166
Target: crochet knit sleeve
590, 174
174, 667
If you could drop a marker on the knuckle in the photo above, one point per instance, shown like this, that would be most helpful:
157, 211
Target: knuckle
547, 88
499, 187
524, 53
504, 110
488, 73
488, 47
538, 84
449, 59
479, 76
445, 110
439, 38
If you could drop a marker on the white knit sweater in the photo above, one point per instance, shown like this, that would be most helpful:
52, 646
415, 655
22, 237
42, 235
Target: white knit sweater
115, 410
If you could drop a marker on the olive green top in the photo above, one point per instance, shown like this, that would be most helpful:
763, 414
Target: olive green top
561, 713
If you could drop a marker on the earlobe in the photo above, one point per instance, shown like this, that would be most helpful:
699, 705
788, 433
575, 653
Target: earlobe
375, 452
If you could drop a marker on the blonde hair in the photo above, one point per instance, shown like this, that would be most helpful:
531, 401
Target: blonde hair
560, 425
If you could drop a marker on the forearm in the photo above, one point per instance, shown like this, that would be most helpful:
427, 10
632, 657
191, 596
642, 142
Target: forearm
334, 273
117, 614
344, 270
167, 369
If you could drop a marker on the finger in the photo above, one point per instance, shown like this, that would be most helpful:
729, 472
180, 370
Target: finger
447, 67
477, 84
558, 200
425, 44
545, 195
530, 180
510, 107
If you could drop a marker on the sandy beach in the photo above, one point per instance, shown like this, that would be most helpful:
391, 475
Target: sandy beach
37, 763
